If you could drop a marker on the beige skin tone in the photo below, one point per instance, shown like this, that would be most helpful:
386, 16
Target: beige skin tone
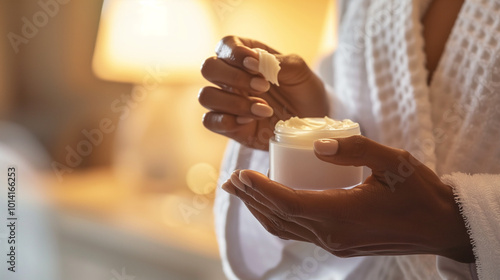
413, 215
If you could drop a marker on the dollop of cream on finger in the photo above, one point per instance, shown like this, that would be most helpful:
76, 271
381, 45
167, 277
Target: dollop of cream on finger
269, 66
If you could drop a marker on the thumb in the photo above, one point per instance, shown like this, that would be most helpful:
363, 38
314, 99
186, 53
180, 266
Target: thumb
294, 69
358, 151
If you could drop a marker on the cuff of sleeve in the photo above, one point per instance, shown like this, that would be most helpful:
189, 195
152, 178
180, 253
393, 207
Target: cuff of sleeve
478, 198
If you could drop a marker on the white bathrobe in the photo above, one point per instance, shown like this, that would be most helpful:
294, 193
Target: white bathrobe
378, 78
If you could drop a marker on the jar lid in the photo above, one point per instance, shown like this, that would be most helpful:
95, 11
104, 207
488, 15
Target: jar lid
304, 131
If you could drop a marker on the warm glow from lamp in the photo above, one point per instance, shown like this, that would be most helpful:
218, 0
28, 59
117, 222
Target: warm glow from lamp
162, 145
174, 35
329, 39
307, 28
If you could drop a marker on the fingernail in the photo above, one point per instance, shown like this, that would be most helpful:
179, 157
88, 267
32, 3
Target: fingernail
228, 188
244, 179
261, 110
251, 63
326, 146
259, 84
236, 182
243, 120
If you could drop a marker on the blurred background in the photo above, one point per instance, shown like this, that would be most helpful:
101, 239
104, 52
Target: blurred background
99, 112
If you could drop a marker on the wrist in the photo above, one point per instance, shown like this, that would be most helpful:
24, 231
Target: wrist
459, 247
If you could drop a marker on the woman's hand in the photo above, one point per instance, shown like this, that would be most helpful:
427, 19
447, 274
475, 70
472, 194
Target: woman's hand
244, 106
402, 208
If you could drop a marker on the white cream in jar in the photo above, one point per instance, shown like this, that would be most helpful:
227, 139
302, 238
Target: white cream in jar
292, 159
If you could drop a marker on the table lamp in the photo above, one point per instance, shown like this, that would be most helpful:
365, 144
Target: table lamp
173, 35
158, 45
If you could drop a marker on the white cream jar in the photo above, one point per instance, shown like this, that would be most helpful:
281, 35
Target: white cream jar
292, 159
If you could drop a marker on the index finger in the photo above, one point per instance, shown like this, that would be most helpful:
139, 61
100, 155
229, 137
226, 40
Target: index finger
233, 50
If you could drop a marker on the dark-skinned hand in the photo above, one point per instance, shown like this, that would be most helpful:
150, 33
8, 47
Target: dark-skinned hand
403, 208
243, 105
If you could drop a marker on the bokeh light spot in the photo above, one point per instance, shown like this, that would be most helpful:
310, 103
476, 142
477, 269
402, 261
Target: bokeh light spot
201, 178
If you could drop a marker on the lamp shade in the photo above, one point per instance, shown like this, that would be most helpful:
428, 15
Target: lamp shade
172, 36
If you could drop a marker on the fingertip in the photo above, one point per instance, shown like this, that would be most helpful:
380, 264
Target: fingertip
199, 92
206, 66
261, 110
205, 120
260, 84
244, 178
251, 63
228, 187
220, 123
236, 181
203, 97
233, 51
326, 146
